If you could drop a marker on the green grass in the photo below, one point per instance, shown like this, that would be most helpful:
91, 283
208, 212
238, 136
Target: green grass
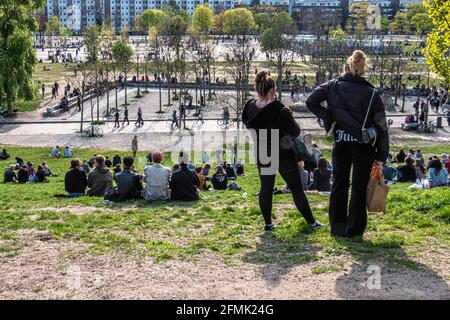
27, 105
226, 224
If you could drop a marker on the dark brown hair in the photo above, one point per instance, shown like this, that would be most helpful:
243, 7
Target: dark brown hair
264, 83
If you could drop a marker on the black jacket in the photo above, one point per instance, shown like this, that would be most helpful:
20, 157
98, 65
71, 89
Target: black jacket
75, 181
219, 181
129, 185
273, 116
184, 184
348, 98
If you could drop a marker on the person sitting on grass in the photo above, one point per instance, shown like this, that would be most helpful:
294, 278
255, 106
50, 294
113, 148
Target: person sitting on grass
304, 175
157, 178
99, 179
219, 179
389, 172
400, 157
40, 174
19, 161
117, 160
86, 167
108, 162
129, 182
4, 155
205, 171
22, 175
55, 153
68, 153
321, 177
201, 178
240, 168
407, 173
117, 168
437, 175
75, 180
229, 170
30, 169
10, 175
184, 183
47, 170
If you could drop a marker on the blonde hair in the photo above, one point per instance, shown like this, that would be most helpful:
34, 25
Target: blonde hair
357, 63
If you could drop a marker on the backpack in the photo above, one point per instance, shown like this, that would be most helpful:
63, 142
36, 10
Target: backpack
234, 187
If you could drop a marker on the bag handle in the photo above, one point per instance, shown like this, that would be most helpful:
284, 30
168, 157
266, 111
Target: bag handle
368, 109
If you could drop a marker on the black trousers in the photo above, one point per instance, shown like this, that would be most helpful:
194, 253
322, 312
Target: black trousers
350, 219
290, 173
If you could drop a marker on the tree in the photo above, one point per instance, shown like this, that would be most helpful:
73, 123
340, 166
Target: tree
66, 33
17, 56
358, 17
400, 23
53, 28
421, 23
262, 20
384, 24
122, 53
203, 19
275, 41
438, 40
92, 41
150, 18
239, 23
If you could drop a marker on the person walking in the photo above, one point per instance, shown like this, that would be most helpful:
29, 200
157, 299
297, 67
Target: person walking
56, 88
139, 121
134, 145
125, 117
43, 90
53, 92
79, 102
116, 119
353, 105
267, 116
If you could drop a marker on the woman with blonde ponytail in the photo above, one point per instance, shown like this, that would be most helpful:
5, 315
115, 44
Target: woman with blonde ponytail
355, 116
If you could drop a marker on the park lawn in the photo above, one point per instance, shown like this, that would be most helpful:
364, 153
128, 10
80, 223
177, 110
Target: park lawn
28, 105
226, 224
58, 73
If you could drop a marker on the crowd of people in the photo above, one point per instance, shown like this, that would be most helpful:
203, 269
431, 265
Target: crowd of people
413, 167
118, 180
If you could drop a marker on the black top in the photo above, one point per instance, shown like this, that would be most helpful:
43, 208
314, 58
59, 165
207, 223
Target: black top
22, 175
274, 116
75, 181
348, 99
219, 181
184, 185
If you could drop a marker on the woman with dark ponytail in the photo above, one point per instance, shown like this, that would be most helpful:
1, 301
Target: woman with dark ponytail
270, 119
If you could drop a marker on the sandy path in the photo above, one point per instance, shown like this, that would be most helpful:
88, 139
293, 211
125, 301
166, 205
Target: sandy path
67, 273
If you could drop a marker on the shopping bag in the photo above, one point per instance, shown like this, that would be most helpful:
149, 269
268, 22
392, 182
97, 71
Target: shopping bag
377, 191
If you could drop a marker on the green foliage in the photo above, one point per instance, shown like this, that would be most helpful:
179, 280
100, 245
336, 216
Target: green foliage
203, 19
421, 23
53, 26
438, 40
92, 41
151, 18
400, 23
17, 56
122, 53
238, 21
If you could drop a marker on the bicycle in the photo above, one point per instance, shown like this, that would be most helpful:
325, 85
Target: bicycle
93, 131
221, 123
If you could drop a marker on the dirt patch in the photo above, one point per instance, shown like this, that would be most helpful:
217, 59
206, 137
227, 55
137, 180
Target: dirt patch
46, 268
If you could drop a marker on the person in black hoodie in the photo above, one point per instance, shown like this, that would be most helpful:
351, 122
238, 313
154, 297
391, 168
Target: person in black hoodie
350, 100
219, 179
268, 115
75, 180
22, 175
184, 183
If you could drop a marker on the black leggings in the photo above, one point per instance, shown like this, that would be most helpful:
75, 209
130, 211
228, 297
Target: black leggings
290, 173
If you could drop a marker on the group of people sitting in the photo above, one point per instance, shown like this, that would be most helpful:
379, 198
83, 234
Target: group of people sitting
182, 182
57, 153
411, 167
26, 173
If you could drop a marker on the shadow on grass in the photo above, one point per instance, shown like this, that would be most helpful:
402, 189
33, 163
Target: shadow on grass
383, 270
